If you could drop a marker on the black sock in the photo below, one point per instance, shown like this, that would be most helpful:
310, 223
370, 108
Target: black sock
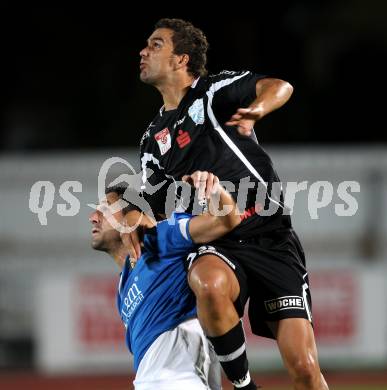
231, 351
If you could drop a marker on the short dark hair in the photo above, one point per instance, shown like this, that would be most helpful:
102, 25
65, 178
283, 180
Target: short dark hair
121, 191
188, 39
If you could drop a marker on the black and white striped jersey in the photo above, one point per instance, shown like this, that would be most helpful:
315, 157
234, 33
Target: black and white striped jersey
194, 137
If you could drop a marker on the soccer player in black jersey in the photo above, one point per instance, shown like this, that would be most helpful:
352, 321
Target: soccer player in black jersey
206, 124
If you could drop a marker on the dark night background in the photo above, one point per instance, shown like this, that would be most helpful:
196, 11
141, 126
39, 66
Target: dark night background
70, 76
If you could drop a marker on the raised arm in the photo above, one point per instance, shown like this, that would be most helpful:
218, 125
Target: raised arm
222, 215
271, 95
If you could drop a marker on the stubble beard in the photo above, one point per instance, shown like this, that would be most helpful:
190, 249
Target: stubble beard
147, 78
98, 245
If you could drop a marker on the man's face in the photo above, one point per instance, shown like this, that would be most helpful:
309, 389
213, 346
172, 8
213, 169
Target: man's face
104, 236
157, 58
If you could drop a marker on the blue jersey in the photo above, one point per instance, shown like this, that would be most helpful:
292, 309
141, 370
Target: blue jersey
154, 296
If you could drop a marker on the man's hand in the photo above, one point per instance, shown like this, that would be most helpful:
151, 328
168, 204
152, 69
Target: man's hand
222, 215
245, 119
206, 182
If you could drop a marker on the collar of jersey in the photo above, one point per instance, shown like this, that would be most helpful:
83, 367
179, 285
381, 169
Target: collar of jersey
193, 86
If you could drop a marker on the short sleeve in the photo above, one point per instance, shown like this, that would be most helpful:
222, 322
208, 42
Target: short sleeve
173, 234
236, 91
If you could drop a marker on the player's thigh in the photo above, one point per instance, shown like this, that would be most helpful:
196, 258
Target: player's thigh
296, 341
210, 269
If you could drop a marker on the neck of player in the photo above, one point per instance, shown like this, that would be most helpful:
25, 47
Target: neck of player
174, 89
119, 255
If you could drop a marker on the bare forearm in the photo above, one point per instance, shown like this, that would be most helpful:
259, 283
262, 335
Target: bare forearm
271, 95
223, 210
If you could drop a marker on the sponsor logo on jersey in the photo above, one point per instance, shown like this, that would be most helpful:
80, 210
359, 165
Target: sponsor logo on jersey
131, 301
196, 111
163, 139
179, 122
284, 303
183, 139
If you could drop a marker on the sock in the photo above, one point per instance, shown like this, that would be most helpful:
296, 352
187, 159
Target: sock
231, 351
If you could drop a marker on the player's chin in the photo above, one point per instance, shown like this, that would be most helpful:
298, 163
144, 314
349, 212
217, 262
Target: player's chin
96, 244
143, 76
146, 78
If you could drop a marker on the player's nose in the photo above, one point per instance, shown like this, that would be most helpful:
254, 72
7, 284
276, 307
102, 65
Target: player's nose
93, 217
144, 52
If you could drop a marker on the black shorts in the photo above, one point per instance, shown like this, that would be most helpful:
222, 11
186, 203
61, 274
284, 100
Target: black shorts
271, 272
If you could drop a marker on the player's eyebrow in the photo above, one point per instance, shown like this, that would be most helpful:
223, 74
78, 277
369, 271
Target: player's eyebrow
93, 205
155, 39
98, 204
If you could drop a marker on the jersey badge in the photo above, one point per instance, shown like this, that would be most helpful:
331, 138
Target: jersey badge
196, 111
163, 139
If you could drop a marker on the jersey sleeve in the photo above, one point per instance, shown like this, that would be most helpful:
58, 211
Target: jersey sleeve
237, 90
174, 236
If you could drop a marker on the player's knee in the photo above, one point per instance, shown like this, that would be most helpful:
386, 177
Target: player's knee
306, 370
210, 287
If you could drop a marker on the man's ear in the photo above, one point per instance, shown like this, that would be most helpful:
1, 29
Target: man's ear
181, 60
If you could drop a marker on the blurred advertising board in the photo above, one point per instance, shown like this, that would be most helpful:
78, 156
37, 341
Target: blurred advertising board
78, 327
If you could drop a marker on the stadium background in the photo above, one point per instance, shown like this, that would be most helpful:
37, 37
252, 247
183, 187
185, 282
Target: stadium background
71, 99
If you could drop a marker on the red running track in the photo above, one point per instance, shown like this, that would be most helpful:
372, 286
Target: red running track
32, 381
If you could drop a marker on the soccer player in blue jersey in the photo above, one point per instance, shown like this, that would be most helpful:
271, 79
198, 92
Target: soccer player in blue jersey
154, 300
